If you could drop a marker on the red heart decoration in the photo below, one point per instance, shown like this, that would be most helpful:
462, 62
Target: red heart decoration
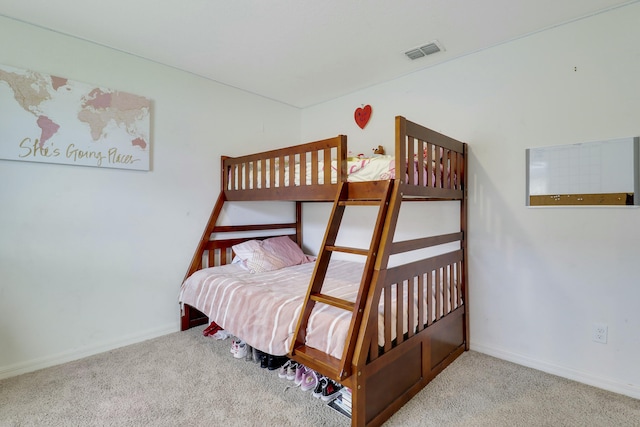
362, 116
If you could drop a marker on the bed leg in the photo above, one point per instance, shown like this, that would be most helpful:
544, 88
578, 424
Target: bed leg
184, 317
191, 317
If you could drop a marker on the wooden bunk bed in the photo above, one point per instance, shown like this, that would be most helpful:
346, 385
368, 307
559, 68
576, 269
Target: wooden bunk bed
393, 346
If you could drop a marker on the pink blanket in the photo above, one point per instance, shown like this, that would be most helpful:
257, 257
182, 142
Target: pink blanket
263, 308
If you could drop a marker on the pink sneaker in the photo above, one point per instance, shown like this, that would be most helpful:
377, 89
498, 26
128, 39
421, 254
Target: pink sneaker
300, 371
309, 380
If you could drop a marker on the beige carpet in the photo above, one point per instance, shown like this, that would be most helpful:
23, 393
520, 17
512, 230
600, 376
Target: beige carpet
186, 379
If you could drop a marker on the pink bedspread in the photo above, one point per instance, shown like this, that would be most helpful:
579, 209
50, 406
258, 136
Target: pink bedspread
263, 308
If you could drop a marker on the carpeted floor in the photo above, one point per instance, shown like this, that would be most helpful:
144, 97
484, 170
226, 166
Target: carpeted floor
186, 379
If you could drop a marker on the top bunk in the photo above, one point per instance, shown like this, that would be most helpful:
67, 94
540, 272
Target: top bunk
432, 166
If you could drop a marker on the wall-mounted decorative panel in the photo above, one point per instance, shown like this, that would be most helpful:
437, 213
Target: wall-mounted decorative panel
51, 119
585, 174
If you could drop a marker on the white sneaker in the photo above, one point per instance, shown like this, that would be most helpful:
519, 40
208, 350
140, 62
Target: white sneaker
284, 369
291, 371
234, 345
241, 350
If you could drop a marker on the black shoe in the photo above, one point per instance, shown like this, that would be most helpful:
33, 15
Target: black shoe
331, 391
260, 357
264, 360
275, 362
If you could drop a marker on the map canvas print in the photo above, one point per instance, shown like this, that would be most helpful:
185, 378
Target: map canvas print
51, 119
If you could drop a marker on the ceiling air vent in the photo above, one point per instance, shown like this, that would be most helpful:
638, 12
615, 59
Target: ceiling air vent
425, 50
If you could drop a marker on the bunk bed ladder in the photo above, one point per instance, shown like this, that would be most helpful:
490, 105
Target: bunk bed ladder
372, 193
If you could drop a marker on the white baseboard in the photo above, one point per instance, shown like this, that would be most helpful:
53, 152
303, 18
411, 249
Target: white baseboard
615, 386
68, 356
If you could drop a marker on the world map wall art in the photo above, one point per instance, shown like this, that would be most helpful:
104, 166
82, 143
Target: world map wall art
51, 119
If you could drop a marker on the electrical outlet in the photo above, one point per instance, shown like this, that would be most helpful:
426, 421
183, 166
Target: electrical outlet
600, 331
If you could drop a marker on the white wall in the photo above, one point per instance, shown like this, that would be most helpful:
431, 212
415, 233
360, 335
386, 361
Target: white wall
92, 259
539, 277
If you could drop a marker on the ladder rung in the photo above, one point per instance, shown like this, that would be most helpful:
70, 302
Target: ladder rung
347, 250
336, 302
318, 361
359, 202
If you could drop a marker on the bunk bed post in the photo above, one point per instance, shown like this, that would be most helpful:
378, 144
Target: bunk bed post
190, 317
299, 223
196, 262
401, 148
463, 243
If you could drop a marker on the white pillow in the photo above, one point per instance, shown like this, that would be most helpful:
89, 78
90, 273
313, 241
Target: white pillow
262, 261
245, 250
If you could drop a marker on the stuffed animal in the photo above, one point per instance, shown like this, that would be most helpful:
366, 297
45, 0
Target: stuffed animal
379, 150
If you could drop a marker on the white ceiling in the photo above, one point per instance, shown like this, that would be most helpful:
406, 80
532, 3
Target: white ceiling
299, 52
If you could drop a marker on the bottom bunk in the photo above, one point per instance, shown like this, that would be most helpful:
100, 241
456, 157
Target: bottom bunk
262, 307
413, 321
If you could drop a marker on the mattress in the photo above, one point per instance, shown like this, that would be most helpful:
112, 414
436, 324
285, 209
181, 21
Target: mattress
263, 308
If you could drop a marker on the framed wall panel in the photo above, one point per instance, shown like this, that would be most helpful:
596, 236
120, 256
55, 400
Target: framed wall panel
598, 173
